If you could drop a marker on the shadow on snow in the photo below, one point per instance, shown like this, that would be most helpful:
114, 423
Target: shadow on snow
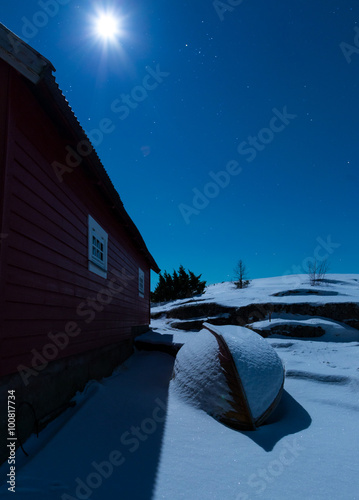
288, 418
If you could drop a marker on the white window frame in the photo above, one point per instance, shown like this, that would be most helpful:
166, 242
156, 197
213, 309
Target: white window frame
95, 264
141, 283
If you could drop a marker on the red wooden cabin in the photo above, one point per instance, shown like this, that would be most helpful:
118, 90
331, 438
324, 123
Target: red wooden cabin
74, 269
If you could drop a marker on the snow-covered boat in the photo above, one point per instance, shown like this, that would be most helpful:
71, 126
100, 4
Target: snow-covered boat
232, 373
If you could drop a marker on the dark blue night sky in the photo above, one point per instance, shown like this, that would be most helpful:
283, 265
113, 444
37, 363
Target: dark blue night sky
230, 129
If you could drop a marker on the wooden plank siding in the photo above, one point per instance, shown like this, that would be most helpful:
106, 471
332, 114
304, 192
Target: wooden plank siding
46, 276
4, 229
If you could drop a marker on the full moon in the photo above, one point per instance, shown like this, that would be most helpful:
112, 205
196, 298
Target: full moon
107, 26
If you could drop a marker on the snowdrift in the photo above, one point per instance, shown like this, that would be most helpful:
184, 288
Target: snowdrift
232, 373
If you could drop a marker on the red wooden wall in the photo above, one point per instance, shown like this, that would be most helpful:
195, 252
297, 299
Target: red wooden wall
46, 278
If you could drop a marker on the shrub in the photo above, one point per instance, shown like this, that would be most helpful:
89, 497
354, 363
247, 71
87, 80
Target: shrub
179, 285
317, 271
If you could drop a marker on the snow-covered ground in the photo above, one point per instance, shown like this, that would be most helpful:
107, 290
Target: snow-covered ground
335, 288
131, 436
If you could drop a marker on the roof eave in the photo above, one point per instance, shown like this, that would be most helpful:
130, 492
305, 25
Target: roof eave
97, 168
38, 70
26, 60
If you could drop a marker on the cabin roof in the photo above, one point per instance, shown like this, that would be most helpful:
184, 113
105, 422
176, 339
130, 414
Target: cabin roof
39, 72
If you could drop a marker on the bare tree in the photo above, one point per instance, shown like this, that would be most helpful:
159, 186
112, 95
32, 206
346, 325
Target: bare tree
317, 271
240, 274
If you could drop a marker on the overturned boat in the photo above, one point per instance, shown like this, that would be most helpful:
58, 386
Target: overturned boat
232, 373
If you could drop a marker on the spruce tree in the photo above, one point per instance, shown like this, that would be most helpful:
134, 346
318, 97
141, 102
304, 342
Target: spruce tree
180, 285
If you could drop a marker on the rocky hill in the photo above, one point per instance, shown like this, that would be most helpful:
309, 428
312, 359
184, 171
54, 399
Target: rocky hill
285, 306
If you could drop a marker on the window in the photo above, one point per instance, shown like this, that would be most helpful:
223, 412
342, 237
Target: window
97, 248
141, 283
